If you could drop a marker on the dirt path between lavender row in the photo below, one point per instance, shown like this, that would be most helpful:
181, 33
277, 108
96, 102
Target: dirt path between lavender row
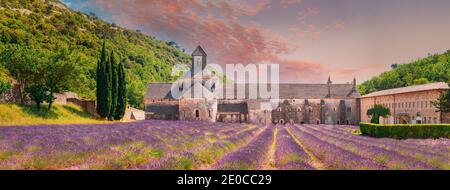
270, 165
316, 163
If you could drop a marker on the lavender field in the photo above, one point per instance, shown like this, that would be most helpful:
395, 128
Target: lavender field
178, 145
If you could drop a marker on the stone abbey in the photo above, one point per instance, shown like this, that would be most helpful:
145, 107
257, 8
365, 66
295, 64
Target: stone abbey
325, 103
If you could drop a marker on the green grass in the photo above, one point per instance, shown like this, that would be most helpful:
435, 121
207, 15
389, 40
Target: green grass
12, 114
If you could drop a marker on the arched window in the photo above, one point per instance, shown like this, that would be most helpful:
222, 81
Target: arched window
197, 113
180, 88
279, 109
318, 122
209, 113
299, 109
310, 109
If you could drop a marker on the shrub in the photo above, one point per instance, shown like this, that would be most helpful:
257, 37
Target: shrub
402, 131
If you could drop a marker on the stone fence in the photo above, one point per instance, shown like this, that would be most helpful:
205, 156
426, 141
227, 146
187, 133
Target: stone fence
87, 105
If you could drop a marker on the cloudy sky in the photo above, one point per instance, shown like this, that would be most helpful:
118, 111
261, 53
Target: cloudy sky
310, 39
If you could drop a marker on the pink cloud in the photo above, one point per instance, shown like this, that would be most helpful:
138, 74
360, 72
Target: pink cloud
287, 3
216, 25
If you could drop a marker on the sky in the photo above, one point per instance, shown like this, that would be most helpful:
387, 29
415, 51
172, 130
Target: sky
310, 39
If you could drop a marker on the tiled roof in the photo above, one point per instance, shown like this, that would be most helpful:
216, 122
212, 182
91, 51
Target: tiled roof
162, 109
286, 91
416, 88
199, 52
159, 91
232, 107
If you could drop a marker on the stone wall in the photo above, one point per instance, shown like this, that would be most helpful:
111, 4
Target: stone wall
198, 109
263, 117
162, 109
414, 107
87, 105
13, 96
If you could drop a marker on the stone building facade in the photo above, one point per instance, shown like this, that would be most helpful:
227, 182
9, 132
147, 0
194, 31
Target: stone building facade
407, 105
325, 103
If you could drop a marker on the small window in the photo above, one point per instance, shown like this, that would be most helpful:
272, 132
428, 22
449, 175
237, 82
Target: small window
310, 109
197, 113
279, 109
180, 88
299, 110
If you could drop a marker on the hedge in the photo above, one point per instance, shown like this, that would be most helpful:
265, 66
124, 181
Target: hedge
403, 131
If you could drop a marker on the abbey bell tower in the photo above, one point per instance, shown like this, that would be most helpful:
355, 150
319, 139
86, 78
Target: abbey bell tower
198, 60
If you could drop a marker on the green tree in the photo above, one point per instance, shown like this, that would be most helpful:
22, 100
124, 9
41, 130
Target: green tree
443, 103
121, 92
434, 68
108, 84
103, 91
5, 81
61, 72
378, 111
38, 93
4, 86
420, 81
24, 64
114, 84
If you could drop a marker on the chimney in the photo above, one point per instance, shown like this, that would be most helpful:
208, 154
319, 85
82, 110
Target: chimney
329, 87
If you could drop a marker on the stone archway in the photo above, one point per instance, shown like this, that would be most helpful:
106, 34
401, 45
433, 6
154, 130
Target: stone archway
403, 118
282, 122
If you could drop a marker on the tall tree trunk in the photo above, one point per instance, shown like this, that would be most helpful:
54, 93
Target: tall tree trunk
22, 93
50, 102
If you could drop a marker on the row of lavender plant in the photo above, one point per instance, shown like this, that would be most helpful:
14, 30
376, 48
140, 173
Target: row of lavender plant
332, 156
190, 159
39, 142
251, 156
435, 146
390, 159
289, 155
435, 156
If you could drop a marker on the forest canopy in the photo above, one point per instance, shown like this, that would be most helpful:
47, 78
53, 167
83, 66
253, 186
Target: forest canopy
434, 68
49, 26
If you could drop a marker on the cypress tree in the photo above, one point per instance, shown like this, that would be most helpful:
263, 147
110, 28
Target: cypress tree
103, 102
121, 92
114, 79
108, 84
98, 84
